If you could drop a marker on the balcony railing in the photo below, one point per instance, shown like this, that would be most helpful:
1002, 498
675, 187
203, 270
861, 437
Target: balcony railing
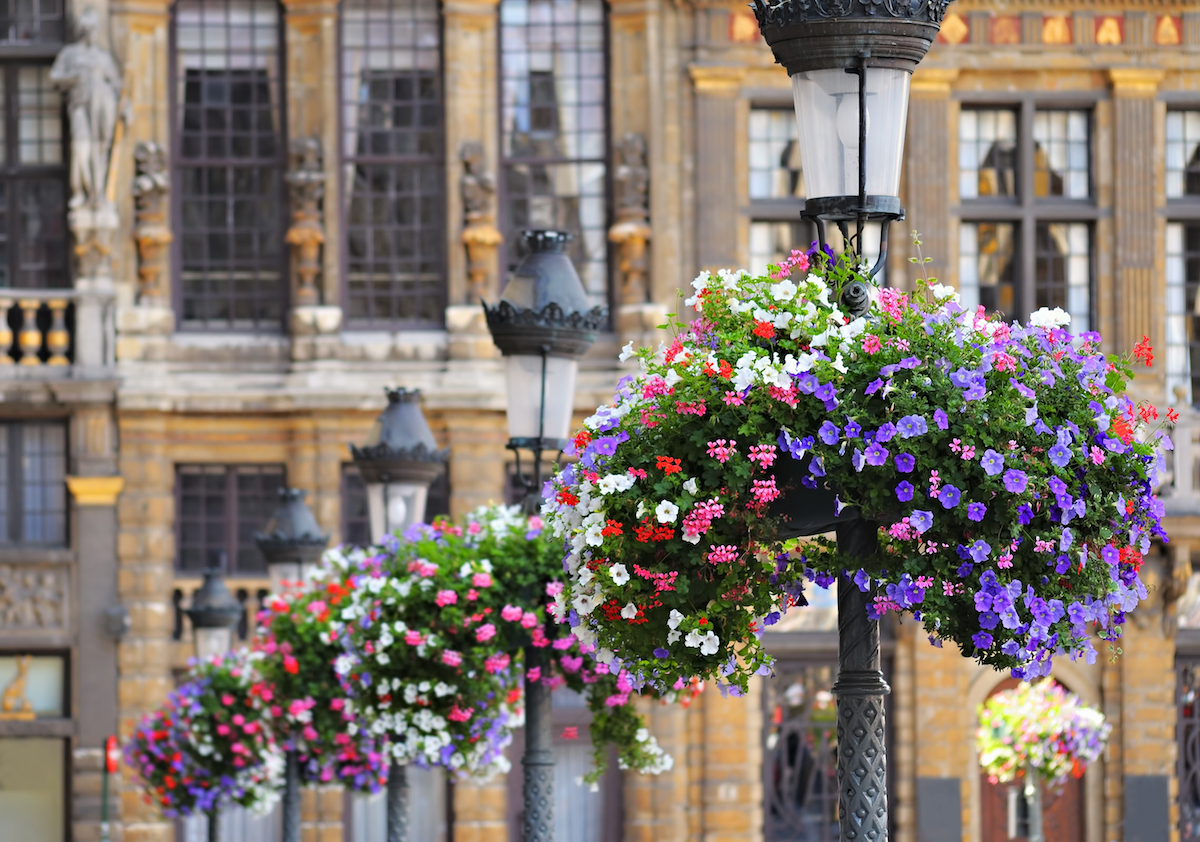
37, 328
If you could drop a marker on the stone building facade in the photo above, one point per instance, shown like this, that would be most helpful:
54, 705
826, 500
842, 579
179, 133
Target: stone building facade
304, 202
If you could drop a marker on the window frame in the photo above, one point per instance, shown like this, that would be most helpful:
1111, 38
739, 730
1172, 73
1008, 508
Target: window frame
14, 511
1025, 210
1181, 208
509, 250
231, 569
174, 144
344, 186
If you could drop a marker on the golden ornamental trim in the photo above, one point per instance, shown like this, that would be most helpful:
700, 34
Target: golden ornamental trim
709, 79
933, 80
95, 491
1135, 81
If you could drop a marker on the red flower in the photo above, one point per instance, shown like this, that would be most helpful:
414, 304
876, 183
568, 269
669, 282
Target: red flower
1172, 416
764, 329
1143, 351
612, 527
668, 465
567, 497
582, 439
726, 370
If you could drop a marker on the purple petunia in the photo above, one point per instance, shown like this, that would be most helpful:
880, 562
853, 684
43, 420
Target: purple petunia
976, 511
912, 425
886, 432
992, 462
979, 551
920, 520
1059, 455
874, 386
949, 496
1024, 514
941, 419
876, 455
982, 639
852, 428
905, 463
904, 491
1015, 481
829, 433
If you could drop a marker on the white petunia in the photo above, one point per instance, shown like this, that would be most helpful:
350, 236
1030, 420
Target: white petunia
693, 639
691, 486
594, 536
675, 619
710, 644
673, 635
619, 574
666, 512
642, 735
691, 538
839, 363
1047, 318
584, 603
941, 291
629, 611
626, 352
785, 290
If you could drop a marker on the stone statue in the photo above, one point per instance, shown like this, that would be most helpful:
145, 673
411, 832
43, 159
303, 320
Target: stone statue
479, 232
151, 231
88, 75
632, 229
306, 183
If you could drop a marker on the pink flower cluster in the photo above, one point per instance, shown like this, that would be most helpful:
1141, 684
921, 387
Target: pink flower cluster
722, 450
496, 663
763, 454
765, 490
446, 597
699, 519
655, 386
724, 554
422, 568
893, 302
693, 408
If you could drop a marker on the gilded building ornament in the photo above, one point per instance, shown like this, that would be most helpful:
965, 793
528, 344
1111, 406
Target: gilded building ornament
14, 705
1167, 32
632, 230
95, 491
1005, 30
1110, 31
151, 232
306, 184
32, 598
1056, 30
955, 30
480, 236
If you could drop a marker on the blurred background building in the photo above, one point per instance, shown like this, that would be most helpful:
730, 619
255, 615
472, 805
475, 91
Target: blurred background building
226, 225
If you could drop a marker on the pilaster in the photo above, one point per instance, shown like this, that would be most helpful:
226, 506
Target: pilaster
929, 181
716, 99
730, 786
656, 806
1140, 294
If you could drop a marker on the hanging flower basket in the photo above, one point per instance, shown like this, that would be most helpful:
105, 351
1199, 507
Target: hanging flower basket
1010, 477
212, 743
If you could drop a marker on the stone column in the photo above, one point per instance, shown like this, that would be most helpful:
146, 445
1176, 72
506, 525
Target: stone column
656, 806
730, 784
717, 90
471, 91
144, 317
1140, 294
930, 184
145, 556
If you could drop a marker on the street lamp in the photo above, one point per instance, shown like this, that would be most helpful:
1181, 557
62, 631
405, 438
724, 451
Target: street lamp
542, 325
398, 464
213, 614
850, 65
291, 542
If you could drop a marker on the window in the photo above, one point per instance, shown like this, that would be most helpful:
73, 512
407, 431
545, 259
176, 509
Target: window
33, 208
1183, 322
356, 521
218, 510
36, 22
554, 129
392, 150
33, 490
1025, 241
1183, 154
229, 153
774, 155
33, 787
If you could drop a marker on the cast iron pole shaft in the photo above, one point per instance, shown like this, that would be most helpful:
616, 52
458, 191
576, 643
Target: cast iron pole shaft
291, 798
397, 803
860, 688
214, 826
539, 755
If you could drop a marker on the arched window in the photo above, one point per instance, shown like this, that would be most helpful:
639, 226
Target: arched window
394, 178
554, 128
229, 151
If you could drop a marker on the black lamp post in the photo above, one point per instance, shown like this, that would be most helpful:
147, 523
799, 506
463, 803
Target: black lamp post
851, 62
398, 464
292, 544
213, 614
542, 325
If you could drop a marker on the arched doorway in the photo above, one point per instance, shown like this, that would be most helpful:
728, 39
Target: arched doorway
1001, 805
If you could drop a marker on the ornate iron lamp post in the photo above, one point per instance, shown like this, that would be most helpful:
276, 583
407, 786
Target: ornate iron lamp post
398, 464
213, 614
292, 544
542, 325
851, 62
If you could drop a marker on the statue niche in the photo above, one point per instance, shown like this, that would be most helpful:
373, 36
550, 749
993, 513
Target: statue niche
479, 223
632, 230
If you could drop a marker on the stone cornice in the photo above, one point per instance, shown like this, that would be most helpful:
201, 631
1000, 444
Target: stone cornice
95, 491
1135, 81
1064, 6
716, 80
477, 8
934, 81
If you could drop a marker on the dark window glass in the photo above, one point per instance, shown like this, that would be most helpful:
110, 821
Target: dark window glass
33, 491
1183, 154
554, 140
229, 141
987, 152
219, 508
1063, 271
1061, 154
395, 170
1182, 318
31, 21
1187, 733
986, 267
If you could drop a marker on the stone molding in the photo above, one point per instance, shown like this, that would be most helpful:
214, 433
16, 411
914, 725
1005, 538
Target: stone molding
95, 491
935, 81
716, 80
1135, 81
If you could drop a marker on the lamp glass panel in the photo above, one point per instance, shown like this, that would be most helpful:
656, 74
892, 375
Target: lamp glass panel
525, 390
210, 642
827, 119
394, 507
284, 575
43, 687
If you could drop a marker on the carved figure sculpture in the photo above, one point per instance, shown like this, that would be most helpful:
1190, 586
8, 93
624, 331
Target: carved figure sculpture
13, 703
151, 185
88, 75
479, 232
306, 181
632, 229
